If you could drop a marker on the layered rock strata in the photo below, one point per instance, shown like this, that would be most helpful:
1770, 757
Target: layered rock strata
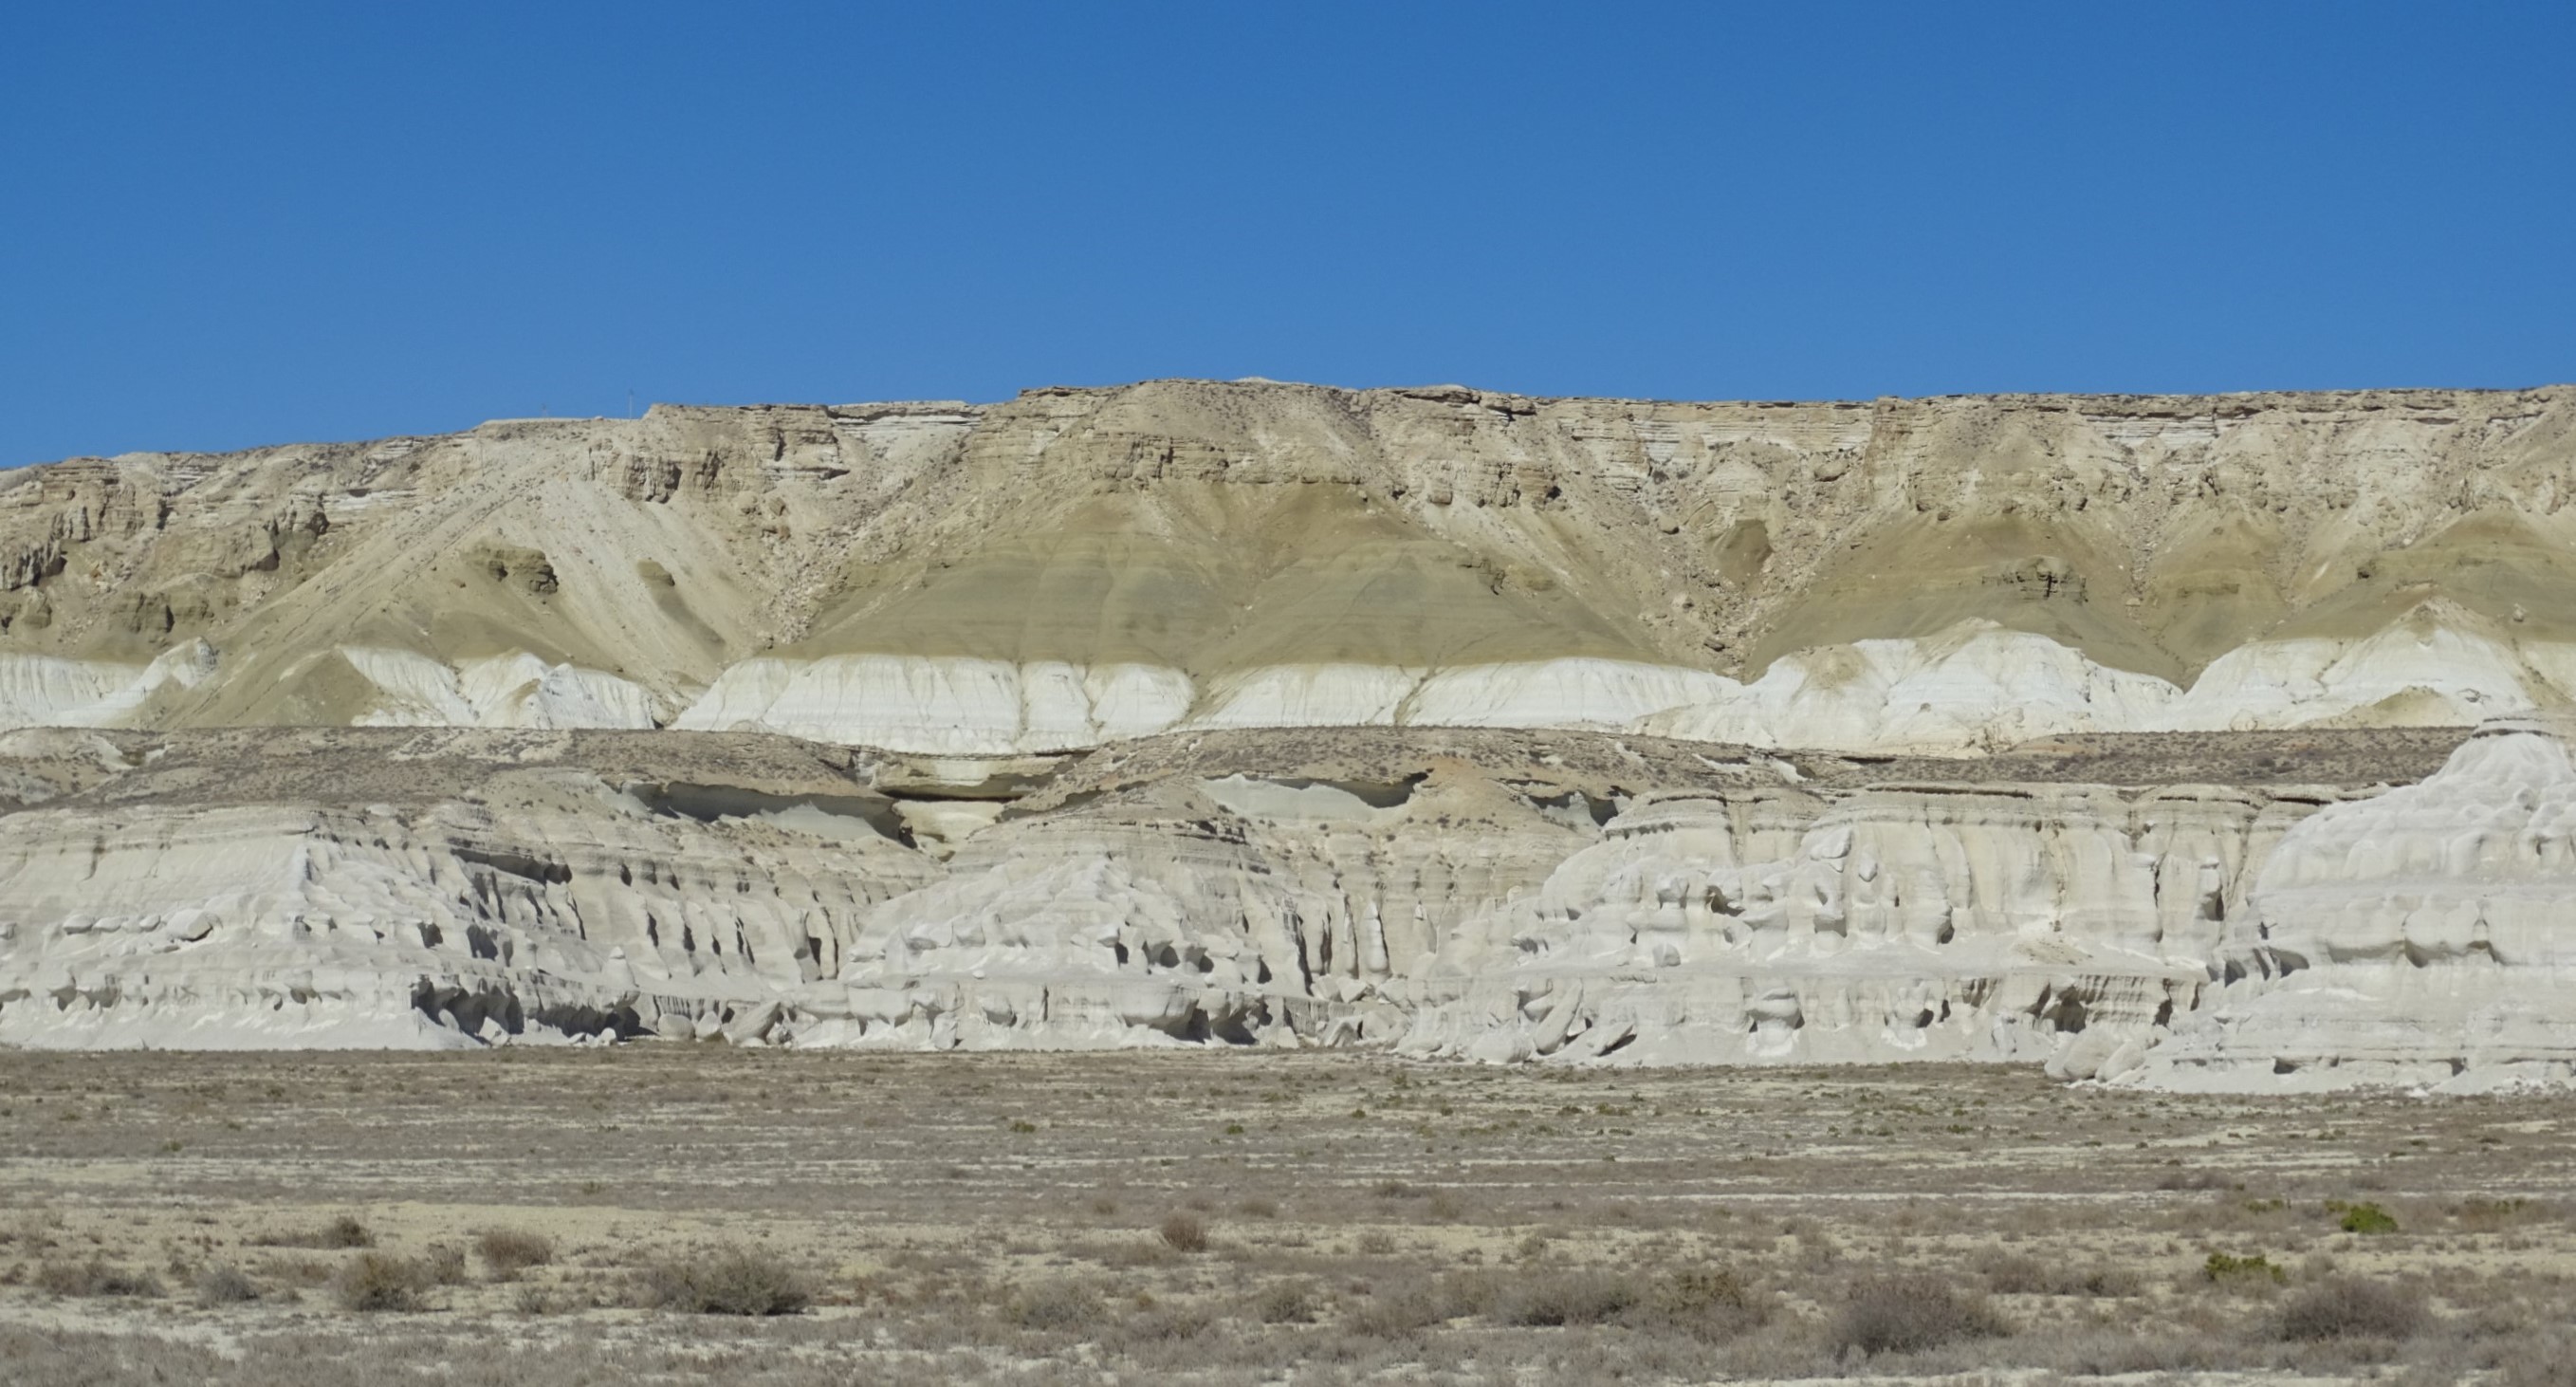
1077, 567
2040, 729
2424, 937
2225, 909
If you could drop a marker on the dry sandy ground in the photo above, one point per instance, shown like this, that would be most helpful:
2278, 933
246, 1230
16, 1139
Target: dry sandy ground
1029, 1218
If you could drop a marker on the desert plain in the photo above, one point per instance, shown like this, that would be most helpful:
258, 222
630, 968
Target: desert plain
667, 1212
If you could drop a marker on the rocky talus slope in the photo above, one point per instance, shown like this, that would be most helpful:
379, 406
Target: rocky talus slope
2130, 736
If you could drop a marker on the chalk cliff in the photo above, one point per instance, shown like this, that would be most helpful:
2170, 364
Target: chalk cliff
2101, 733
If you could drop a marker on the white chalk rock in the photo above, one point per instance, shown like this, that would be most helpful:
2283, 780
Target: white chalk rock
2421, 938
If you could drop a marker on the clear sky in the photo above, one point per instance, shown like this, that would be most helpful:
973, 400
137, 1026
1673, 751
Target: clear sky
230, 224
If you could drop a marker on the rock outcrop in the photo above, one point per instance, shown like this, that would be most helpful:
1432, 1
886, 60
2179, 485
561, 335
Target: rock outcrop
2221, 910
1077, 567
2423, 937
2077, 731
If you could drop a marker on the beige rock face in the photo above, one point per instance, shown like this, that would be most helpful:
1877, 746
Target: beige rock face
1075, 567
2040, 729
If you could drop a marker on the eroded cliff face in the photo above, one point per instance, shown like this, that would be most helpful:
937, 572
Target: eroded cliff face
2034, 729
1076, 567
304, 888
2423, 937
2162, 909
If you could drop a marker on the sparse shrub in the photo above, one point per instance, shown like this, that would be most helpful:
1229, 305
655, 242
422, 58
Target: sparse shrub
294, 1271
2346, 1307
1058, 1306
1575, 1296
2223, 1269
443, 1264
342, 1232
2486, 1214
373, 1281
1164, 1324
2022, 1274
1911, 1312
1706, 1303
533, 1300
2367, 1218
1184, 1233
2546, 1360
1413, 1308
506, 1252
1285, 1302
94, 1278
730, 1281
222, 1283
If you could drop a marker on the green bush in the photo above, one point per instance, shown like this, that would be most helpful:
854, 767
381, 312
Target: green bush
2223, 1268
2368, 1218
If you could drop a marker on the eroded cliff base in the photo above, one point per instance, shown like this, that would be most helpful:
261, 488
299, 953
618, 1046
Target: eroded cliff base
2259, 910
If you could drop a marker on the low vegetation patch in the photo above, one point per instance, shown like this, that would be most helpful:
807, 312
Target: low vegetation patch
1911, 1312
377, 1281
222, 1283
340, 1233
730, 1281
506, 1252
2224, 1269
95, 1277
1058, 1305
2367, 1218
2346, 1307
1184, 1233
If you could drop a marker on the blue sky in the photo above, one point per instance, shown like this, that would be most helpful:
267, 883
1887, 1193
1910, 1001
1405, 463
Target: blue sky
236, 224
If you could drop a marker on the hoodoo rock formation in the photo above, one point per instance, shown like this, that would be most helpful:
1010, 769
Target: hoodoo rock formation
2102, 733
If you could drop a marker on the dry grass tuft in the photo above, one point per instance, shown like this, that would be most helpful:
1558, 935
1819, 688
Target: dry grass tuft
376, 1281
1058, 1306
506, 1252
343, 1232
2346, 1307
1184, 1233
1911, 1312
93, 1278
222, 1283
731, 1281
